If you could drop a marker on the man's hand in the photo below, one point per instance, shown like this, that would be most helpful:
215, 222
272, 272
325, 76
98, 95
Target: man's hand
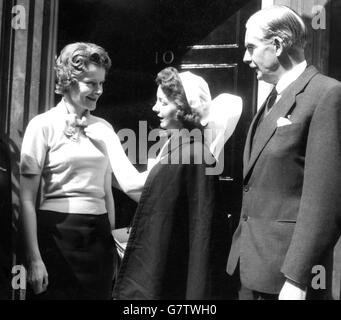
292, 291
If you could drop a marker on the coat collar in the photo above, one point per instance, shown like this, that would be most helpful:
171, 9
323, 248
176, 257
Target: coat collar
177, 139
268, 126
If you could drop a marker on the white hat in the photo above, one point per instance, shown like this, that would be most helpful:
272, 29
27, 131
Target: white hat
225, 112
219, 116
197, 93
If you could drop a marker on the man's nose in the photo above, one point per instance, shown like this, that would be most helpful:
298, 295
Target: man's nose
247, 57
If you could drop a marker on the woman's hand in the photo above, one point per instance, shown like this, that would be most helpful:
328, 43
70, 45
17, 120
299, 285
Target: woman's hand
100, 132
36, 271
37, 276
129, 179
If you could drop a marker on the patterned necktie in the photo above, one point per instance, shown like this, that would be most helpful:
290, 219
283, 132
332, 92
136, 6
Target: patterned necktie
270, 101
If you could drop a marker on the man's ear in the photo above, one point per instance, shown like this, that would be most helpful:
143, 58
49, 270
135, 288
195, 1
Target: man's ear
278, 43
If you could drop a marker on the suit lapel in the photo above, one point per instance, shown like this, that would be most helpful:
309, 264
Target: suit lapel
252, 130
268, 126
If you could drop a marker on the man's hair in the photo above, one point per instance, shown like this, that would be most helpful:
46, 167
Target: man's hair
170, 83
282, 22
74, 60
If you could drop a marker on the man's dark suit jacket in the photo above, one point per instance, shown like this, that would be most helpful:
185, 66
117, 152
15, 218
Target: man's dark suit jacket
292, 186
174, 249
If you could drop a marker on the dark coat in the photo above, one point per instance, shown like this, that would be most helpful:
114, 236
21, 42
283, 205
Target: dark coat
173, 249
292, 186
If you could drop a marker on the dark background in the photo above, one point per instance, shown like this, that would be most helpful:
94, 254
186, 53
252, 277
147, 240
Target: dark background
136, 34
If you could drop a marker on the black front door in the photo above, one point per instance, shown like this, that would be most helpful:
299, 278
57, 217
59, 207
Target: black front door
143, 37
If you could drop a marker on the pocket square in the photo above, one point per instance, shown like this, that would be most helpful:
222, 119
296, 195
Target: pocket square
281, 122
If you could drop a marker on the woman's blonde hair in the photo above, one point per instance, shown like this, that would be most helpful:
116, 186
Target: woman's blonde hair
74, 60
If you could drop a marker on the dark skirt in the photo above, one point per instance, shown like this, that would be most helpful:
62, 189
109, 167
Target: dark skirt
78, 252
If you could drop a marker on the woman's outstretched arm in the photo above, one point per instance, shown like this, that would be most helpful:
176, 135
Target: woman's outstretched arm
129, 179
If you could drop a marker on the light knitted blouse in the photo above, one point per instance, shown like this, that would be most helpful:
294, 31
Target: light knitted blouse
73, 170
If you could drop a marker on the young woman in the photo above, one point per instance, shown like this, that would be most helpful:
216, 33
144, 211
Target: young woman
172, 249
69, 246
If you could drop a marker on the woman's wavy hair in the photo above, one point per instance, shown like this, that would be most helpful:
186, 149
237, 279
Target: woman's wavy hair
169, 81
74, 60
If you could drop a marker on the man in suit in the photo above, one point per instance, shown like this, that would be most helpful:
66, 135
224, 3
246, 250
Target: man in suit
291, 210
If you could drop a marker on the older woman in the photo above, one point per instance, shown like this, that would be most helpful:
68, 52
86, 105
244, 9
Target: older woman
172, 250
69, 246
